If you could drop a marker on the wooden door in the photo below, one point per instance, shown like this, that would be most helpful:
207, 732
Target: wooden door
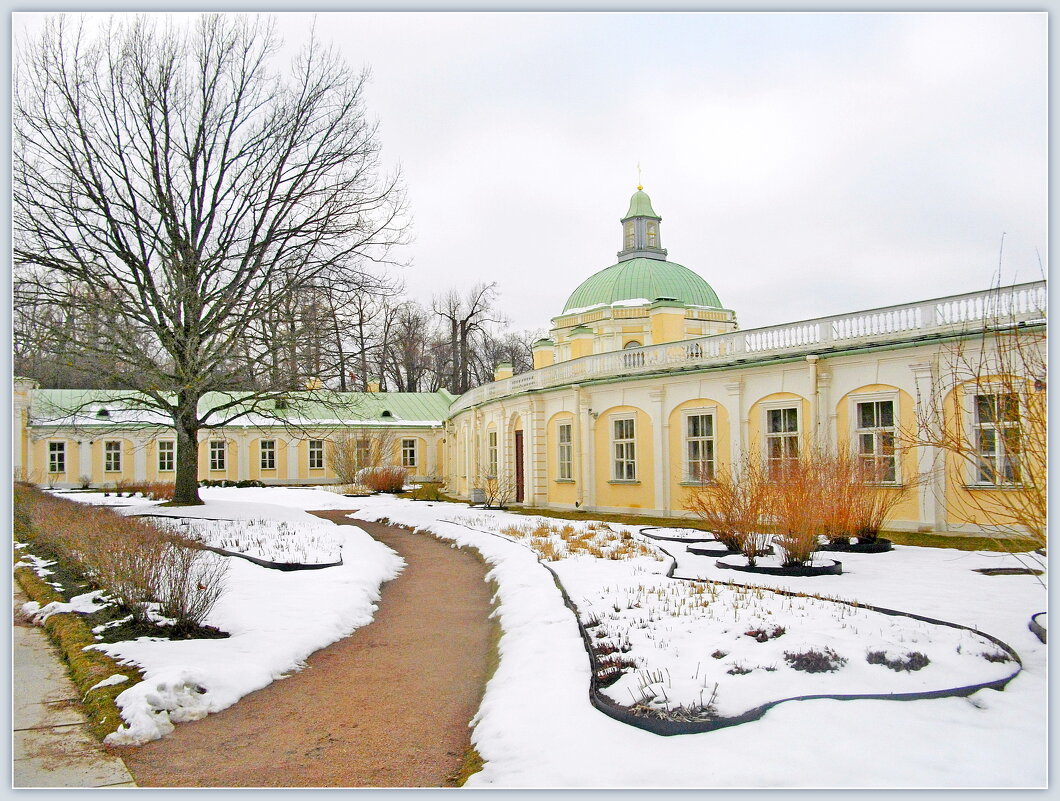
518, 466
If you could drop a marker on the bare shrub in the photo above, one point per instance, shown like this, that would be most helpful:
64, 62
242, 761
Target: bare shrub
796, 504
813, 661
733, 505
498, 489
383, 479
914, 660
189, 584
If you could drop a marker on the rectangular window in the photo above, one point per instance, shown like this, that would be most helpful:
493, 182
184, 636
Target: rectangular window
565, 455
408, 453
700, 447
268, 454
217, 454
624, 449
167, 456
997, 438
491, 453
782, 437
112, 457
876, 438
316, 454
56, 457
364, 452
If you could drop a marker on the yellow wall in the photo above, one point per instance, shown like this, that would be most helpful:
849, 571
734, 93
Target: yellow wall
635, 496
561, 492
678, 449
667, 326
543, 357
909, 507
581, 346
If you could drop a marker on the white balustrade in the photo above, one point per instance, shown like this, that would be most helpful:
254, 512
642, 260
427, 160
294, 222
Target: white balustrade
958, 313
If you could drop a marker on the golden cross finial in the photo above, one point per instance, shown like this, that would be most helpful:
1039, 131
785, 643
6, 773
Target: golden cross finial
639, 182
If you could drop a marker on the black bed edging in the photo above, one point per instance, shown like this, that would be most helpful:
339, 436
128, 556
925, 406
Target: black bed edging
1037, 628
834, 569
669, 728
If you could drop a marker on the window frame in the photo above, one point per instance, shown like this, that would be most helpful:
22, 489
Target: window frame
218, 455
624, 449
315, 460
687, 439
56, 457
565, 450
768, 436
973, 427
492, 452
856, 431
112, 456
408, 454
266, 447
167, 448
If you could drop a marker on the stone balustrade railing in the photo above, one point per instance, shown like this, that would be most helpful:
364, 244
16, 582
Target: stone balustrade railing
1009, 305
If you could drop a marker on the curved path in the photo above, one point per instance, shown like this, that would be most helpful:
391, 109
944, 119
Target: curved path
388, 706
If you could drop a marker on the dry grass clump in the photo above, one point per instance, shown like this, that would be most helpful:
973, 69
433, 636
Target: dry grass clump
552, 542
155, 490
145, 569
383, 479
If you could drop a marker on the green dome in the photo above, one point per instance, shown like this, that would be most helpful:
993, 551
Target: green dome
646, 279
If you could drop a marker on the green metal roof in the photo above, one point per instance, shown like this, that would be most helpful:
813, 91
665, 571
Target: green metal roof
645, 279
352, 407
640, 206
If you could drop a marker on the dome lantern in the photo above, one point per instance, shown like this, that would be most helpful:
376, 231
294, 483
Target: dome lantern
640, 230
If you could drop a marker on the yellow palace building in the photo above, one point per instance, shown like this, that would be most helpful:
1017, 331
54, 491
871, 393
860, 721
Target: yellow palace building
644, 389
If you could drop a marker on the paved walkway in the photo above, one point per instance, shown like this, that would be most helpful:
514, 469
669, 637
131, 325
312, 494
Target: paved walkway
52, 746
388, 706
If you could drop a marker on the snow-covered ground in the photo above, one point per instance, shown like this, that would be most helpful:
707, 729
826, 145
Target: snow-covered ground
276, 619
536, 727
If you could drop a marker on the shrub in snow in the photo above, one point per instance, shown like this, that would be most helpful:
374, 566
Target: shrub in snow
189, 584
813, 661
914, 660
732, 505
996, 656
383, 479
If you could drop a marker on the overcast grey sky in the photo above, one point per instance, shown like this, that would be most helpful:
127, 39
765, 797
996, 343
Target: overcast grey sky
804, 164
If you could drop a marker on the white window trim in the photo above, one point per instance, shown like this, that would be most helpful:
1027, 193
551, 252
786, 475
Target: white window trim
405, 451
63, 451
694, 412
210, 449
853, 427
766, 408
968, 415
611, 420
312, 451
560, 461
172, 452
261, 454
107, 452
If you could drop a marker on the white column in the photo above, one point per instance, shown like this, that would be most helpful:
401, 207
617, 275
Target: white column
737, 421
930, 460
84, 457
139, 445
660, 450
292, 459
242, 455
587, 460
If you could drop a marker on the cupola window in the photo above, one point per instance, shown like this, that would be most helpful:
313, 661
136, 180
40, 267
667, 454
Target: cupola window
630, 236
653, 235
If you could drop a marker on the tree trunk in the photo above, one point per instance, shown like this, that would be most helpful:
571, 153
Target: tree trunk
187, 427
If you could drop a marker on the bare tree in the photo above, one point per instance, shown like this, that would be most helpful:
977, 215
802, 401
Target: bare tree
464, 317
988, 414
174, 187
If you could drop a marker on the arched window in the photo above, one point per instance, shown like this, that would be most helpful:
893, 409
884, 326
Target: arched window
653, 235
631, 344
630, 236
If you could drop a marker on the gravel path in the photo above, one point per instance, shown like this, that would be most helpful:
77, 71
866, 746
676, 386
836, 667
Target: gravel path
388, 706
